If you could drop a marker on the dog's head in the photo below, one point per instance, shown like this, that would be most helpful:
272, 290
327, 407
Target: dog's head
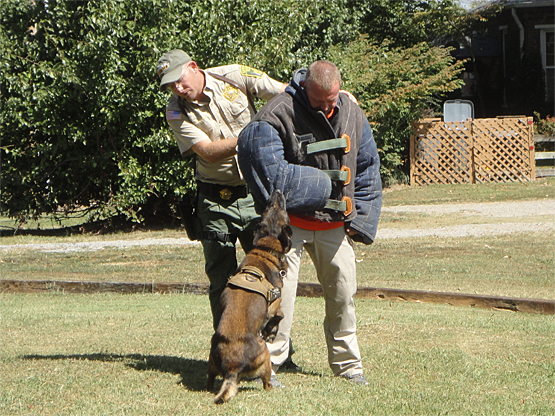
275, 222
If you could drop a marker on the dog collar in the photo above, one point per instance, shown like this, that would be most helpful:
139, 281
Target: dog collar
273, 252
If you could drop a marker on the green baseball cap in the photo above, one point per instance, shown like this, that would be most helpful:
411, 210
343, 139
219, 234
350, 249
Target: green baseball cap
169, 67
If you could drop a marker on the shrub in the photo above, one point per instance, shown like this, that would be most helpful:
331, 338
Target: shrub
395, 86
83, 123
544, 126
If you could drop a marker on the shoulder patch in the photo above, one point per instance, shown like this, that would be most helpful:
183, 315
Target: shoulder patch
247, 71
230, 93
173, 115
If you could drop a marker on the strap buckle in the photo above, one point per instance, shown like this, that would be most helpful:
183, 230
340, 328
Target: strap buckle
349, 202
348, 139
346, 168
273, 294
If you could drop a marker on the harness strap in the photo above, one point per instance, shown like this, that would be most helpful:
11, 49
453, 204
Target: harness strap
326, 145
252, 279
343, 142
343, 175
345, 205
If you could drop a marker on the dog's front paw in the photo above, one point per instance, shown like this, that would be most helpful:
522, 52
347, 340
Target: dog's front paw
270, 338
270, 331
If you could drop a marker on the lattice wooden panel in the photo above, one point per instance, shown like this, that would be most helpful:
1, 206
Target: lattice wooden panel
441, 153
482, 150
503, 150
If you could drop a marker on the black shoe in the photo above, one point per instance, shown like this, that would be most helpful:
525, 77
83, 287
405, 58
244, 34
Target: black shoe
289, 365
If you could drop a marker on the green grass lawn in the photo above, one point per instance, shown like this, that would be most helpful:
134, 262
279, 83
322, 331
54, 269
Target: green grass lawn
514, 265
147, 355
110, 354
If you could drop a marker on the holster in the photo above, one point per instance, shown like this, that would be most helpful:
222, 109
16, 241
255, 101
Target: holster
189, 218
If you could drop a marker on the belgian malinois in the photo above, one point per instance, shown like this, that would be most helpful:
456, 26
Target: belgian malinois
250, 306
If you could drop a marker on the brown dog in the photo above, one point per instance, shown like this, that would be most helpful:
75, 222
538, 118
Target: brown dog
251, 306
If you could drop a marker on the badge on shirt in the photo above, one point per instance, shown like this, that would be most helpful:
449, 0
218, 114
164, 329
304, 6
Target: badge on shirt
230, 93
247, 71
173, 115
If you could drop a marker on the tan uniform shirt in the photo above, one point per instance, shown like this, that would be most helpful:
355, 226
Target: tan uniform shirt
221, 117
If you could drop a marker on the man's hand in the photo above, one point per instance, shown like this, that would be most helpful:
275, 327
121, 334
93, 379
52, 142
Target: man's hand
350, 232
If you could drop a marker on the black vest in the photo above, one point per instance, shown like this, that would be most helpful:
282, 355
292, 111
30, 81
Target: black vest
299, 126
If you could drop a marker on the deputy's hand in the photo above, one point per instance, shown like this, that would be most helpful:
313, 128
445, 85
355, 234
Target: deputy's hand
351, 96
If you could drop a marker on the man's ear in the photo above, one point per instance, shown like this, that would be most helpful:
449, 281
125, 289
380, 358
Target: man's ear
193, 65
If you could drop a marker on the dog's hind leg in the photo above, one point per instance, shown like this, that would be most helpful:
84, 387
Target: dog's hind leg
212, 372
229, 389
266, 374
210, 383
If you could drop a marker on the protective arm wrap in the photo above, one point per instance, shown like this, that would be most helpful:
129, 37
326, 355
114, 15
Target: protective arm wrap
262, 162
368, 189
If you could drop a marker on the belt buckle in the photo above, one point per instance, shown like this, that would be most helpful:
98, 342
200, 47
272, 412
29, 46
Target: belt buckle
226, 194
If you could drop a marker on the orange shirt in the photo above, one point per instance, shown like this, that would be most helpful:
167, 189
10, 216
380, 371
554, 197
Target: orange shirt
312, 224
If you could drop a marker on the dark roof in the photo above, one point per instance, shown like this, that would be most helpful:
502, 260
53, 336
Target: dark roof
513, 4
530, 3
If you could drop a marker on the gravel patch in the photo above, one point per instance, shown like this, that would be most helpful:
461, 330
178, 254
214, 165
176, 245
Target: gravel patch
513, 209
466, 230
99, 245
490, 209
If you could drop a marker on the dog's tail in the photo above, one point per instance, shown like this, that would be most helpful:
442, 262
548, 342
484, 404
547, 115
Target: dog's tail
229, 389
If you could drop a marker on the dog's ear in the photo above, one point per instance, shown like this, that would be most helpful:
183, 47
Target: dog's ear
258, 234
285, 238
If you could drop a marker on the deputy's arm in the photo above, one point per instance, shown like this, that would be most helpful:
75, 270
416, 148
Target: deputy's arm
215, 151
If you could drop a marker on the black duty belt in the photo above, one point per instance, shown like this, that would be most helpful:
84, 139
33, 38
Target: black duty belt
222, 192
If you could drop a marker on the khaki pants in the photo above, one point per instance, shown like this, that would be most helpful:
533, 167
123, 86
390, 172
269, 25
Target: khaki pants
333, 256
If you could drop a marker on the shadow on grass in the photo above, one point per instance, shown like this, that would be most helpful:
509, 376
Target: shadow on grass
192, 372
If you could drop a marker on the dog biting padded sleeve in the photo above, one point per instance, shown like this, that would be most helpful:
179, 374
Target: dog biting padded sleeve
262, 162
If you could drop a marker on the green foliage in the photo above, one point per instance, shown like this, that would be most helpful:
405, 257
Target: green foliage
406, 23
82, 118
394, 87
83, 121
544, 126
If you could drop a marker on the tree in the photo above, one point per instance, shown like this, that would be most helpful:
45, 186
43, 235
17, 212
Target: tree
83, 121
395, 86
408, 22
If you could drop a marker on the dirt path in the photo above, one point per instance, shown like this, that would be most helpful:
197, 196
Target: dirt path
543, 210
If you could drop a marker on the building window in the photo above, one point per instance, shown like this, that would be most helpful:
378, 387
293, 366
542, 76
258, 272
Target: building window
550, 64
547, 41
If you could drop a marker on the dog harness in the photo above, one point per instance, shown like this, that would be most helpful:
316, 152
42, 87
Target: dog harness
252, 279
